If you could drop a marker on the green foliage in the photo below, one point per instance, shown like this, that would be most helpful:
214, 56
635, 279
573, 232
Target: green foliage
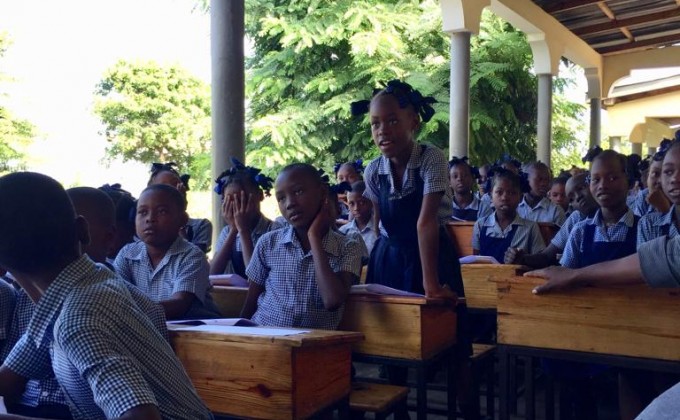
15, 133
154, 113
312, 58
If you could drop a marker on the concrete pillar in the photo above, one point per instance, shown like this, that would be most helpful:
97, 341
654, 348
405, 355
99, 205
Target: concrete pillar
651, 150
595, 121
636, 148
459, 112
615, 143
544, 123
228, 90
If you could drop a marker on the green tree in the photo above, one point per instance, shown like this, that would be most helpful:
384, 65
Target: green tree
154, 113
312, 58
15, 133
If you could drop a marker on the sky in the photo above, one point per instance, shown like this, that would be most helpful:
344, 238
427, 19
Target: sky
59, 53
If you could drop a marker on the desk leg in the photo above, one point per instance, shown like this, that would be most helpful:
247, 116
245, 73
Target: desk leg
343, 409
529, 393
549, 398
504, 383
421, 391
451, 385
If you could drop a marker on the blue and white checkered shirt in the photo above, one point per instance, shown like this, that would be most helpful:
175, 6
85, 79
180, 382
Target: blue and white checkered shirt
38, 392
545, 211
106, 353
7, 303
263, 226
433, 169
202, 233
483, 208
368, 234
291, 296
616, 233
527, 237
184, 268
653, 225
562, 236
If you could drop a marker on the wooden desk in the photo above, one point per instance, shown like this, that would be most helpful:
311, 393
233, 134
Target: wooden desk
480, 287
268, 377
629, 326
404, 331
461, 236
229, 299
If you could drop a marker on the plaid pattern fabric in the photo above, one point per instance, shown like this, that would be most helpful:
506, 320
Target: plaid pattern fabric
615, 233
527, 237
653, 225
660, 261
368, 234
562, 236
545, 211
433, 168
184, 268
202, 232
291, 297
106, 353
7, 302
263, 226
640, 206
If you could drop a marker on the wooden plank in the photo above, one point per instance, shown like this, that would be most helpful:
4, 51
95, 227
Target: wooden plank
561, 6
643, 44
548, 231
401, 327
322, 378
656, 17
634, 321
461, 236
229, 300
480, 287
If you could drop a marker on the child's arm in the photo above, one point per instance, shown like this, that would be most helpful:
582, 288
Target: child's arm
333, 286
428, 244
376, 218
476, 241
178, 304
190, 282
242, 209
223, 254
250, 305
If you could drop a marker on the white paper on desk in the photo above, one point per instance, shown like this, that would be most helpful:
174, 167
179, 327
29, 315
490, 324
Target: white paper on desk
478, 259
223, 329
379, 289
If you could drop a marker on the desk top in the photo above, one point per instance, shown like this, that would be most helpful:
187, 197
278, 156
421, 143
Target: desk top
309, 338
404, 300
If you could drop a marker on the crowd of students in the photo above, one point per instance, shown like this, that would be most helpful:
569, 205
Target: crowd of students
93, 274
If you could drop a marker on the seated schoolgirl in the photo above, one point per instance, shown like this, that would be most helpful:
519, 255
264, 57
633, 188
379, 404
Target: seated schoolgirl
242, 189
652, 199
535, 205
349, 172
558, 195
654, 225
124, 203
504, 228
196, 231
361, 210
612, 232
466, 207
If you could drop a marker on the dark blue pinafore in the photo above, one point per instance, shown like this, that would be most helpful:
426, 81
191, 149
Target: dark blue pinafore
495, 247
237, 262
597, 252
469, 215
395, 260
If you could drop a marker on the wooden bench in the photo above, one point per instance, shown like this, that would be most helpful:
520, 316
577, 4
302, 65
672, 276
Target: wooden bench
379, 399
548, 231
229, 300
461, 236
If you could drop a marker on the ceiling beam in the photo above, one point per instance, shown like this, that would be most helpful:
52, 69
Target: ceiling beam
561, 6
632, 21
639, 45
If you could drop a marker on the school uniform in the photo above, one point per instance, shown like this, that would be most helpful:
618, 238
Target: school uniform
640, 206
471, 212
489, 239
7, 303
545, 211
368, 234
199, 233
591, 242
184, 268
562, 236
291, 296
236, 263
106, 353
656, 224
395, 260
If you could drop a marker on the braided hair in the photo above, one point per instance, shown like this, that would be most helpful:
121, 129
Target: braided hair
241, 174
405, 94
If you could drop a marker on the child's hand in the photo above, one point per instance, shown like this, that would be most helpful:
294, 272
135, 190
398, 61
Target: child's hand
443, 292
513, 256
659, 201
559, 278
242, 211
321, 223
228, 211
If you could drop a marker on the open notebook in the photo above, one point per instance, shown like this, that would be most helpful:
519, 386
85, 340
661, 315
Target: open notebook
228, 280
229, 322
478, 259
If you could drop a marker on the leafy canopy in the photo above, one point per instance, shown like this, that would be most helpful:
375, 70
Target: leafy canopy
15, 133
154, 113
